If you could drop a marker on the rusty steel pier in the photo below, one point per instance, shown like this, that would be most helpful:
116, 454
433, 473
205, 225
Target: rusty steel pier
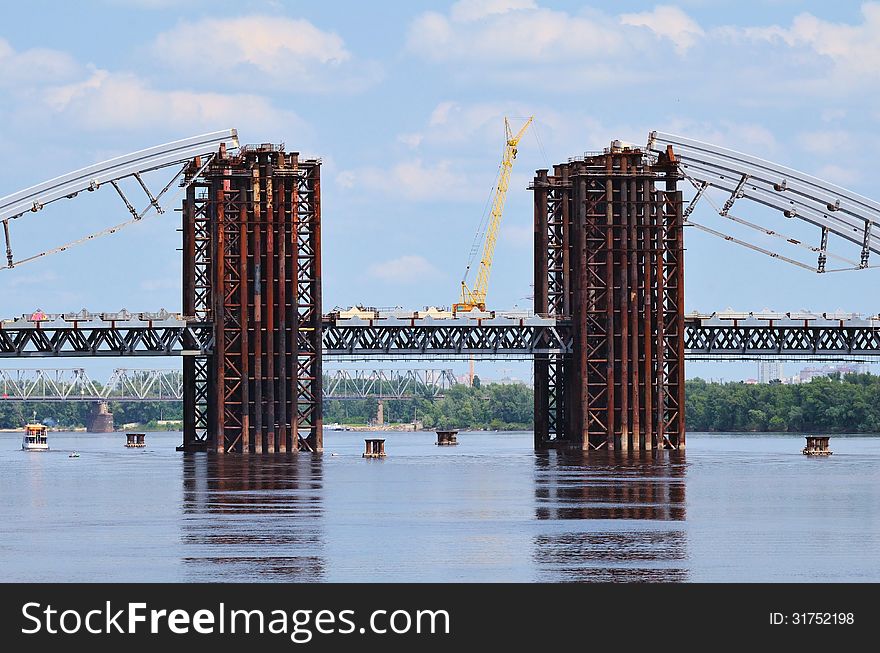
252, 267
609, 255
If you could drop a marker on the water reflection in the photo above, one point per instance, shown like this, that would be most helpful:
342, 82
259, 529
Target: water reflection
253, 517
610, 516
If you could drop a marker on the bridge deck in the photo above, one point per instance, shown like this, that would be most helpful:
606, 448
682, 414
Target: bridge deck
400, 339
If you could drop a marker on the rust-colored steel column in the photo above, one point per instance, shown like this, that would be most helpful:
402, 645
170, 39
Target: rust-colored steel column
271, 281
541, 363
635, 320
315, 338
219, 309
623, 302
659, 341
678, 245
257, 293
609, 304
649, 309
243, 301
579, 409
190, 437
280, 335
296, 322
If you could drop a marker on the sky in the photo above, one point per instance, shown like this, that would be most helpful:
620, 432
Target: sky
404, 103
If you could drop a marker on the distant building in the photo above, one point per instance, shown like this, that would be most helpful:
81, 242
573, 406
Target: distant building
769, 371
809, 373
507, 380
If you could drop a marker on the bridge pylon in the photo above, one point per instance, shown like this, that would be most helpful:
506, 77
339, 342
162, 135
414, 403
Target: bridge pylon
252, 268
609, 256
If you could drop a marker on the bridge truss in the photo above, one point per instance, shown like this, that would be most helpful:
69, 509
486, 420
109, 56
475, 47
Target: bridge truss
702, 341
388, 384
175, 337
124, 384
76, 385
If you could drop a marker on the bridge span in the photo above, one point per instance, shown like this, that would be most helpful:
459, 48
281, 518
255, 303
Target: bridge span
136, 385
716, 336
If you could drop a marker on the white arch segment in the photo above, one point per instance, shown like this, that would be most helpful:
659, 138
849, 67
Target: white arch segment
796, 194
112, 171
91, 177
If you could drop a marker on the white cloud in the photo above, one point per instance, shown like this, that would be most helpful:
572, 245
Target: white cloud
108, 100
440, 114
827, 142
35, 66
456, 123
468, 10
668, 22
522, 32
408, 269
412, 140
745, 137
846, 177
31, 279
833, 115
289, 51
852, 49
413, 180
149, 4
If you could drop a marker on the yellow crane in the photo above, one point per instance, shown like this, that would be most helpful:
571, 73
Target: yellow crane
476, 297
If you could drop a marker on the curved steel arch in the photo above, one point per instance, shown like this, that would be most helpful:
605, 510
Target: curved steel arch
111, 171
835, 210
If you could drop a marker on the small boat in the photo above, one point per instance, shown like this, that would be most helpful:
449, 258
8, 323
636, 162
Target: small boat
35, 436
73, 455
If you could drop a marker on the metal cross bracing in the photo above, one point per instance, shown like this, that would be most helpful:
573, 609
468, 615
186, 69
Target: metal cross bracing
457, 339
780, 341
833, 339
125, 384
836, 211
119, 340
76, 385
415, 340
388, 384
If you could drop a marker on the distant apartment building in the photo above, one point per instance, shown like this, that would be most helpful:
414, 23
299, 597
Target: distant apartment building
809, 373
769, 371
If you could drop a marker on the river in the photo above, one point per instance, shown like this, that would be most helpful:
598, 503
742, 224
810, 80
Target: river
733, 507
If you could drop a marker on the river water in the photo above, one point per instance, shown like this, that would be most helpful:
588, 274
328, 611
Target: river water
732, 508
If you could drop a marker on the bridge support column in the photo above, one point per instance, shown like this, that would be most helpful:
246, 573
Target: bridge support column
100, 418
609, 256
252, 267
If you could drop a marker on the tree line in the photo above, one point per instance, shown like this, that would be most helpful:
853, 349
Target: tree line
75, 414
848, 403
494, 406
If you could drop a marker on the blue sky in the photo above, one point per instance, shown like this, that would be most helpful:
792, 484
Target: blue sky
404, 102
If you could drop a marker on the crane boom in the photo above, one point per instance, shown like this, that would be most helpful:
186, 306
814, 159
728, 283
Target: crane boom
476, 297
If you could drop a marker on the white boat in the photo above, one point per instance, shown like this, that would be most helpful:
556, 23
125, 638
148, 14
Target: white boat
35, 437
